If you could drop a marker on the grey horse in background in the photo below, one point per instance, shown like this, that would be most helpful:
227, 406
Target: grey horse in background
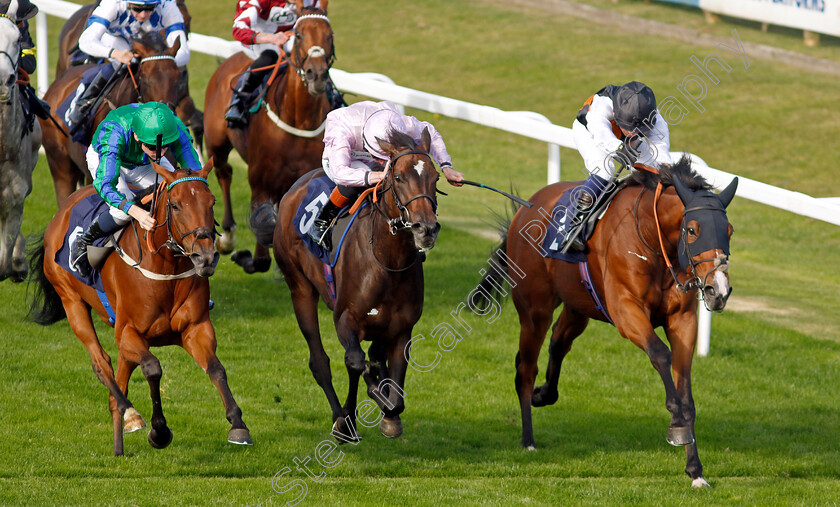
18, 154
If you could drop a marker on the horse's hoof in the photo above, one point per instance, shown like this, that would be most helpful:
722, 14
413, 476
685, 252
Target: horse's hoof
160, 440
700, 483
679, 436
225, 243
541, 399
262, 265
244, 259
240, 436
18, 276
391, 427
133, 421
342, 433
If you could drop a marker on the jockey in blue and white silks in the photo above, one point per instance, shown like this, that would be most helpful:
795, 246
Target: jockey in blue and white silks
108, 34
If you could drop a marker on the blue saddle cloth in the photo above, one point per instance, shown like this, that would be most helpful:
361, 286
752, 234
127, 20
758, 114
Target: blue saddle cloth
82, 215
559, 227
317, 194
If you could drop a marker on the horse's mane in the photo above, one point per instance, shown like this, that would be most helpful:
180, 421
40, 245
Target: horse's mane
152, 40
682, 170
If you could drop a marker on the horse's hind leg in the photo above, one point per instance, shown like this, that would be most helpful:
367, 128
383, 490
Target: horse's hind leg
132, 421
569, 326
200, 342
78, 314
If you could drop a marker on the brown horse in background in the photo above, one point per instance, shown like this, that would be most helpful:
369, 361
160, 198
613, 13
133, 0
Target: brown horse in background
171, 309
68, 43
378, 282
156, 80
633, 280
276, 156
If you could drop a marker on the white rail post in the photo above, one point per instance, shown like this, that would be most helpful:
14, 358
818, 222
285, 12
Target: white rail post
704, 329
43, 57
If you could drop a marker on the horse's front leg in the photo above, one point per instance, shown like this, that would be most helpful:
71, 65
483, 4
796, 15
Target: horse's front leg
134, 350
199, 341
634, 324
391, 390
681, 330
226, 242
354, 360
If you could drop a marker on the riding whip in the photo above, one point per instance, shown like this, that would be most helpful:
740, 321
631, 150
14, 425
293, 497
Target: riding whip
512, 197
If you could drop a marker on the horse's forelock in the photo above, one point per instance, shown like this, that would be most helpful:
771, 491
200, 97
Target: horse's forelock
153, 40
401, 140
681, 169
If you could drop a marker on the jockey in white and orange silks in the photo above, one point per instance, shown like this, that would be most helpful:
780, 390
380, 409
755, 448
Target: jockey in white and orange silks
617, 126
354, 160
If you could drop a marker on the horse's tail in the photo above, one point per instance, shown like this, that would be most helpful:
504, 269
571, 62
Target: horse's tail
45, 307
489, 289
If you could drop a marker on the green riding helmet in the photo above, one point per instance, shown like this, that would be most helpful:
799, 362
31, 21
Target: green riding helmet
153, 118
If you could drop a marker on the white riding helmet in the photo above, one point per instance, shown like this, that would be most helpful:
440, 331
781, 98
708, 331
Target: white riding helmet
378, 125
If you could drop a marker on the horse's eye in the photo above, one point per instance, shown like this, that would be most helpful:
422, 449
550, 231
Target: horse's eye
175, 207
398, 178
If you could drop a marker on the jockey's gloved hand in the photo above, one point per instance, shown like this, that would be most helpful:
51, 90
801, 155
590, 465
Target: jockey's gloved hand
627, 154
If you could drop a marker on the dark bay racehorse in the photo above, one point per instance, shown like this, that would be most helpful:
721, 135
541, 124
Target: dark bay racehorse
68, 41
632, 279
379, 282
164, 301
156, 77
284, 139
18, 154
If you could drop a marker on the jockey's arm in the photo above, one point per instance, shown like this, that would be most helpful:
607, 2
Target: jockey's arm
183, 149
598, 123
108, 176
656, 149
175, 29
90, 41
438, 149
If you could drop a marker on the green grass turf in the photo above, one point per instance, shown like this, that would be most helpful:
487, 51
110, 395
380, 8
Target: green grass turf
767, 418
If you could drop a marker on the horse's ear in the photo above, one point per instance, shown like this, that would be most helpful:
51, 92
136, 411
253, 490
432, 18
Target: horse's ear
683, 191
206, 169
728, 193
425, 140
167, 176
387, 147
175, 47
324, 5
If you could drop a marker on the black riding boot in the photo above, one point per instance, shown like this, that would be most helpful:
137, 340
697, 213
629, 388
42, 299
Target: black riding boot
89, 96
79, 254
320, 231
584, 205
237, 113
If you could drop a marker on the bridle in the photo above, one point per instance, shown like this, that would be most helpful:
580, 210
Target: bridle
298, 61
172, 230
401, 222
721, 261
15, 61
142, 61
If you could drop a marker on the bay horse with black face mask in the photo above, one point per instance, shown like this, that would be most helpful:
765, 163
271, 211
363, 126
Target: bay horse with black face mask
154, 78
159, 294
378, 281
284, 138
637, 287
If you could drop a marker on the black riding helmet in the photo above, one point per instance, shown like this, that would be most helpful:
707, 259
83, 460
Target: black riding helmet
633, 104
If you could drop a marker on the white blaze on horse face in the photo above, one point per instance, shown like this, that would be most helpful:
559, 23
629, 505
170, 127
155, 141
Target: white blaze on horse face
419, 167
721, 283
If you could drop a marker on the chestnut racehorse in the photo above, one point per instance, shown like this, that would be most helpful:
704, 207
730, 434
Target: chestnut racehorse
163, 301
277, 154
156, 78
68, 41
378, 281
635, 284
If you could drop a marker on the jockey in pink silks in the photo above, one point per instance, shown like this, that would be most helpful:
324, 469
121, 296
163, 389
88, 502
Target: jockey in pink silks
354, 160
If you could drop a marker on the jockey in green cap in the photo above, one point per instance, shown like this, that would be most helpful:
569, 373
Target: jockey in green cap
119, 159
